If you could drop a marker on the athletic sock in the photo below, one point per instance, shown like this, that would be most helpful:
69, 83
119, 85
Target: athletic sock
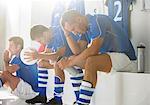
58, 89
85, 93
42, 81
76, 82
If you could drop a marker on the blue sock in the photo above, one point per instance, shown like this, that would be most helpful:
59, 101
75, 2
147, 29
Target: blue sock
85, 94
76, 82
42, 81
58, 90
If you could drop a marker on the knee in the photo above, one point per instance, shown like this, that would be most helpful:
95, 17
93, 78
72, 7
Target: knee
90, 62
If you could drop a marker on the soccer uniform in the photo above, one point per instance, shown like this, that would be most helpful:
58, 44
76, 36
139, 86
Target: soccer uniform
28, 85
59, 41
115, 43
118, 10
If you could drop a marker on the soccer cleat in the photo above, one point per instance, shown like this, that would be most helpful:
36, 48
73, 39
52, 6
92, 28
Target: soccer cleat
75, 103
37, 99
53, 101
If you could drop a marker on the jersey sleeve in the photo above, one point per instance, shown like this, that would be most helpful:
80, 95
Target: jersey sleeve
15, 60
50, 46
94, 28
57, 42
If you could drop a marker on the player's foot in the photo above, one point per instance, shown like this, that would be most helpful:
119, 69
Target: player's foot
75, 103
37, 99
53, 101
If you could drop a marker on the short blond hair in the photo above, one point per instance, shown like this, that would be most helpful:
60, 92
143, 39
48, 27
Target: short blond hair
37, 31
69, 16
17, 41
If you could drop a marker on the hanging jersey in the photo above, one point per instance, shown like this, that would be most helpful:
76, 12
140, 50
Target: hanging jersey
57, 12
77, 5
118, 10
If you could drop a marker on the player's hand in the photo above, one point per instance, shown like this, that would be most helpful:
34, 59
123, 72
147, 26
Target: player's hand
7, 56
44, 64
64, 63
61, 51
72, 57
66, 32
31, 55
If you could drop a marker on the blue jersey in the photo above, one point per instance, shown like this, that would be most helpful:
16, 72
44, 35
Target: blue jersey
28, 73
115, 39
60, 8
77, 5
57, 12
59, 41
119, 11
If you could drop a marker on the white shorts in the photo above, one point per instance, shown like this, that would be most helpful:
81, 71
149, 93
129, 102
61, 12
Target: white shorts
121, 62
24, 90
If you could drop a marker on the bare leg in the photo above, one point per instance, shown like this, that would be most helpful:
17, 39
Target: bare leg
93, 64
59, 73
12, 80
59, 85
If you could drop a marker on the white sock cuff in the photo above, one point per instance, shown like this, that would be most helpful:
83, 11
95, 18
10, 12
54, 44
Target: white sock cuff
86, 84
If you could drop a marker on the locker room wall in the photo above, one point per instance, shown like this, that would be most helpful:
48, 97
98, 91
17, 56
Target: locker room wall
2, 32
140, 30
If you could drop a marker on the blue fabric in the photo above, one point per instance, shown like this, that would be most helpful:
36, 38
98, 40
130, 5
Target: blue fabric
93, 30
43, 71
58, 10
59, 41
43, 77
28, 73
76, 78
58, 89
76, 82
77, 5
42, 91
113, 8
86, 93
83, 100
115, 39
42, 81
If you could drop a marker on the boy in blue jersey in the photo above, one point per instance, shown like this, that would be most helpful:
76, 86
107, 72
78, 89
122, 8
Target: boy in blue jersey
109, 49
57, 45
24, 84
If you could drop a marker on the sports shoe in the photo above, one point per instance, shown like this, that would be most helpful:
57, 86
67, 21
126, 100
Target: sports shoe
53, 101
75, 103
37, 99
